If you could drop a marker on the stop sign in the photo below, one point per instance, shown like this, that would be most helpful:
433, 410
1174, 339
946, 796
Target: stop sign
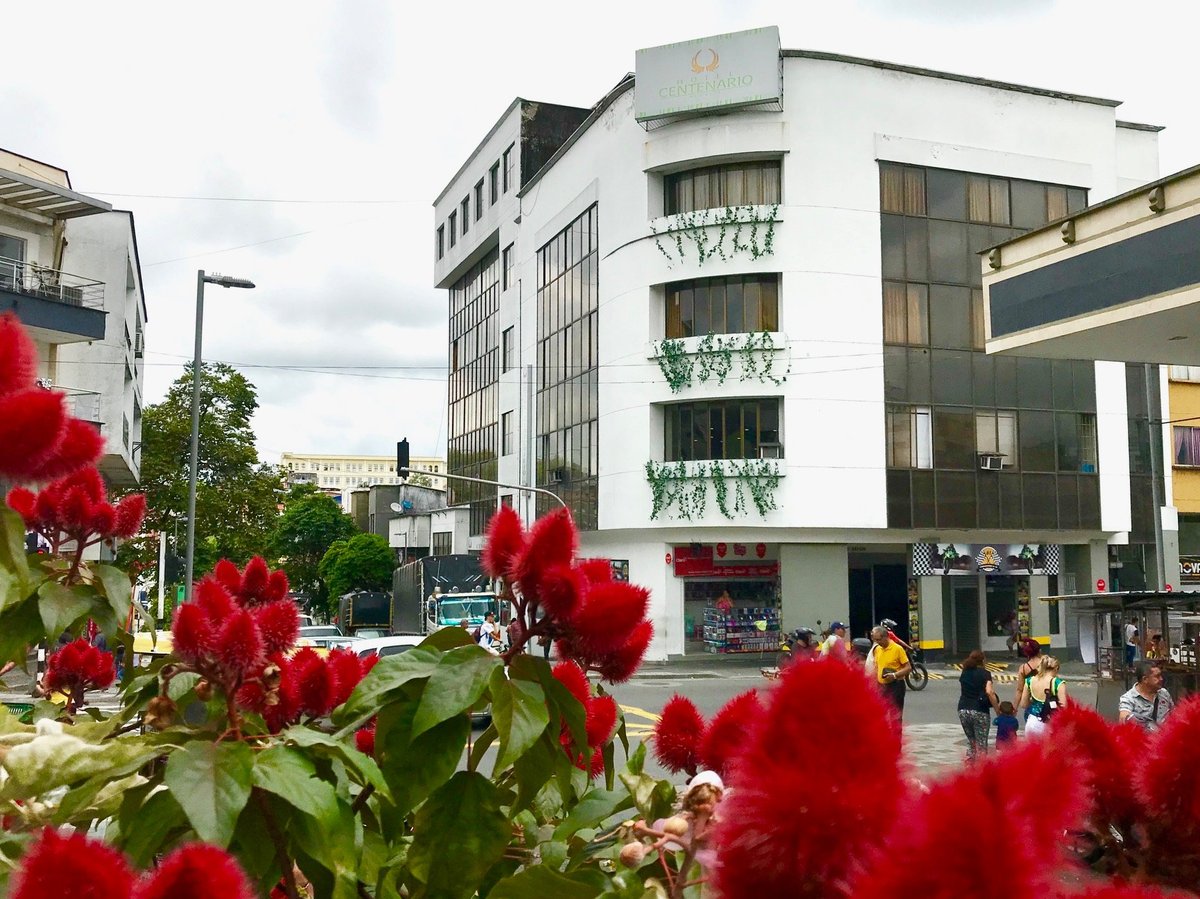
1100, 585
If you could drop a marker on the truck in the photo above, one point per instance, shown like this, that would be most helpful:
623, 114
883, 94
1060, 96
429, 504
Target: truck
364, 609
441, 591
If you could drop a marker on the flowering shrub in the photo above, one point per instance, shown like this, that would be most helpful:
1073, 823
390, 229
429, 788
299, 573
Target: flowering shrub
77, 668
75, 509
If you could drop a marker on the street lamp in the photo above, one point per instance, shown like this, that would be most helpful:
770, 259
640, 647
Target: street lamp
201, 280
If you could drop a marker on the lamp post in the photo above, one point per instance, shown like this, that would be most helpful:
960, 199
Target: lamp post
201, 280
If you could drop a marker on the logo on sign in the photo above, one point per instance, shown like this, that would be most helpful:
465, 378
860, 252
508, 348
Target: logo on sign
722, 549
760, 549
702, 63
1100, 585
988, 559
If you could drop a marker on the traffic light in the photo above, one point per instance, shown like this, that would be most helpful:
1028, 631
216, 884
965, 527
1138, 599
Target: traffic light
173, 570
402, 459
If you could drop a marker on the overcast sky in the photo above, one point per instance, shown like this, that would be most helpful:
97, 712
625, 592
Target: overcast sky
357, 113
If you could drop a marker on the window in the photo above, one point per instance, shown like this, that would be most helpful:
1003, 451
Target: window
724, 429
1175, 373
738, 304
452, 224
494, 184
12, 254
1076, 442
465, 206
479, 200
506, 434
508, 267
441, 543
996, 432
737, 184
910, 437
1187, 445
507, 160
905, 313
441, 241
508, 349
506, 500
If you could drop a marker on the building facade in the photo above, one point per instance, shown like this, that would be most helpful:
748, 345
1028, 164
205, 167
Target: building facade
1184, 394
744, 341
338, 474
69, 270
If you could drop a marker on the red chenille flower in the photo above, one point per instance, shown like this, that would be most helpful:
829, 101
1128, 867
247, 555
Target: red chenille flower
214, 599
1170, 781
364, 739
71, 867
196, 871
551, 541
254, 581
726, 733
573, 678
1080, 731
504, 539
192, 632
560, 591
347, 672
601, 719
129, 514
81, 445
104, 520
239, 645
277, 586
18, 356
316, 687
677, 735
75, 511
597, 571
228, 576
606, 621
622, 663
822, 717
24, 503
32, 426
278, 623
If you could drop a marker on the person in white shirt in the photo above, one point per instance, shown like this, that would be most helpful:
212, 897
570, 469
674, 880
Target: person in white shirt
837, 634
1131, 642
489, 634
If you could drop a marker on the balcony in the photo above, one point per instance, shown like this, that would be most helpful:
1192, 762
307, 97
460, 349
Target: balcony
61, 306
84, 404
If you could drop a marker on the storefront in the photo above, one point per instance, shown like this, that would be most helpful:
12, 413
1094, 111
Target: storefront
730, 596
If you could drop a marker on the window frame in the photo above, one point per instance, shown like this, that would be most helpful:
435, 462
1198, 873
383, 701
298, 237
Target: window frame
719, 182
916, 421
507, 348
507, 443
452, 222
506, 266
479, 199
683, 421
1190, 442
441, 241
494, 183
684, 294
465, 208
506, 160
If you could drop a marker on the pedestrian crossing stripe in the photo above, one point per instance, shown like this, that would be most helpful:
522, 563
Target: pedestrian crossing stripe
933, 675
640, 713
994, 667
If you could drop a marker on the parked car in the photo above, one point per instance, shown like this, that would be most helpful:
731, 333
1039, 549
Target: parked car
371, 633
386, 646
321, 630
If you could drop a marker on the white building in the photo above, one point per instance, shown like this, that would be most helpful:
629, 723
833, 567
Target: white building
69, 269
819, 216
338, 474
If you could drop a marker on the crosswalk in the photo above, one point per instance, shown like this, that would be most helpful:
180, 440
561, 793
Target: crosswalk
639, 722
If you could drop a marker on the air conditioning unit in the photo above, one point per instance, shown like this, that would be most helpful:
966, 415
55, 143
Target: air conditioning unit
770, 451
991, 461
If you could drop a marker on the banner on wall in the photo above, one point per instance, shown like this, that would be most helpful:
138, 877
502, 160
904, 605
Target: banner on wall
985, 558
1189, 569
700, 561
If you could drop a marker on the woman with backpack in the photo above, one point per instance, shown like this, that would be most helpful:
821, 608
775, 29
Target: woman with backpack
1045, 693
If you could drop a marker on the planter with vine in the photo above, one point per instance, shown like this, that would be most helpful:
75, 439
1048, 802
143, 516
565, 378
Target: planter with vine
685, 362
679, 490
723, 232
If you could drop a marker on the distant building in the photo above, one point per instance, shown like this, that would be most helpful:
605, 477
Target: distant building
339, 474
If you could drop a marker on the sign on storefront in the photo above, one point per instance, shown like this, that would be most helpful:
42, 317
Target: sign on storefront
985, 558
700, 561
1189, 569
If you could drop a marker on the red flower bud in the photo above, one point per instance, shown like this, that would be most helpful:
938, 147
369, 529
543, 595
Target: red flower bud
597, 571
606, 621
561, 591
601, 720
621, 664
24, 503
677, 735
228, 575
75, 511
347, 672
81, 445
18, 356
277, 586
364, 739
239, 645
552, 541
61, 867
214, 599
130, 512
574, 679
104, 520
278, 623
504, 539
32, 425
254, 581
192, 632
315, 684
195, 871
726, 733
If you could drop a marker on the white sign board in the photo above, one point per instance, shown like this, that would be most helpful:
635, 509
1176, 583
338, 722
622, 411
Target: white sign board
718, 72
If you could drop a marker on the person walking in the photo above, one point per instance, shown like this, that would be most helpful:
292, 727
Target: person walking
1032, 650
837, 635
891, 667
977, 698
1147, 702
1045, 693
1132, 639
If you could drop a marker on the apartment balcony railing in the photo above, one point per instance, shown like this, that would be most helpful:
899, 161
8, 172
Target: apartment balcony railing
34, 280
84, 404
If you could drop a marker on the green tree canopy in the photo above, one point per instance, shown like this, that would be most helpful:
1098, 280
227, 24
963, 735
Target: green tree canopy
311, 522
363, 562
237, 496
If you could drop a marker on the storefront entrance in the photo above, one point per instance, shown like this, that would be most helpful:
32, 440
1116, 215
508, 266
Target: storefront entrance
730, 597
878, 592
960, 612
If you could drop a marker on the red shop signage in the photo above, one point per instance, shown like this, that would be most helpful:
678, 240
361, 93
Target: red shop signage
702, 564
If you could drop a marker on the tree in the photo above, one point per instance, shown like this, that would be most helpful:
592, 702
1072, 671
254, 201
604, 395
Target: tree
237, 496
311, 522
364, 562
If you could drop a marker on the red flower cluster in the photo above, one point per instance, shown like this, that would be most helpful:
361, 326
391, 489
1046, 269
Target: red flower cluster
684, 743
38, 439
288, 688
75, 867
79, 667
76, 508
600, 718
255, 585
598, 622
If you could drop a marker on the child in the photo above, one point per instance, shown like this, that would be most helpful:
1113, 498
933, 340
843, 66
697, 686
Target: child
1006, 724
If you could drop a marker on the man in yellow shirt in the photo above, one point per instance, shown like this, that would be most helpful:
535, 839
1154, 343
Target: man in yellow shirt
891, 667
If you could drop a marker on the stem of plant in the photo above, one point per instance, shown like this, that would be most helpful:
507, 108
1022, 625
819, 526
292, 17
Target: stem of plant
281, 856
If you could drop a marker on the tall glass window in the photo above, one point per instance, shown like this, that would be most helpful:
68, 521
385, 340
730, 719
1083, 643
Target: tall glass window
474, 371
568, 279
718, 186
737, 304
723, 429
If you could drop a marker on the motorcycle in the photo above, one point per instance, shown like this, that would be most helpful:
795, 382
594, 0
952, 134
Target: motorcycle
918, 675
800, 643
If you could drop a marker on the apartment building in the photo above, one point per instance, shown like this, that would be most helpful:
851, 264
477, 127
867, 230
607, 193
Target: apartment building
339, 474
734, 319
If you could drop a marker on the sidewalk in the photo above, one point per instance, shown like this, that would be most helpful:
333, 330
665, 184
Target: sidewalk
706, 665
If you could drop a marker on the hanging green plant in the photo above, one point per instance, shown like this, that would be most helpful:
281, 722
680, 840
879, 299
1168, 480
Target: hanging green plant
675, 363
732, 222
684, 493
712, 359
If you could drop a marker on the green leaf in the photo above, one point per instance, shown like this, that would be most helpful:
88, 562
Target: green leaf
376, 689
333, 840
293, 778
417, 766
539, 882
151, 827
211, 782
570, 708
181, 684
458, 834
57, 760
594, 808
20, 628
535, 767
653, 798
455, 685
480, 745
448, 638
12, 546
520, 715
60, 606
114, 584
637, 761
362, 766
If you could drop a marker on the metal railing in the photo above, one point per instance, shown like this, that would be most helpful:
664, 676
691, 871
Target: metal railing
83, 404
36, 280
